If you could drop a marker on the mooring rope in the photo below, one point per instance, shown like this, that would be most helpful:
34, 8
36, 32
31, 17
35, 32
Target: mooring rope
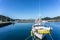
51, 36
27, 38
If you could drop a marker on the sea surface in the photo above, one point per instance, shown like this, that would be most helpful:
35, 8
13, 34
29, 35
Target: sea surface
20, 31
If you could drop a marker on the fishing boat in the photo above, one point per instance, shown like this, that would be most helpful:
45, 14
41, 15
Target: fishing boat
40, 30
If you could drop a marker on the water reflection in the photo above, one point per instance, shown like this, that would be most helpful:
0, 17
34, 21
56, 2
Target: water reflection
5, 24
44, 38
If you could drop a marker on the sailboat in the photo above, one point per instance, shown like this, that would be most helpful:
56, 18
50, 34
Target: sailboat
40, 30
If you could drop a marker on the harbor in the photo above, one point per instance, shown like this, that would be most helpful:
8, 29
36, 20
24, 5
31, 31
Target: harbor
29, 19
20, 31
39, 29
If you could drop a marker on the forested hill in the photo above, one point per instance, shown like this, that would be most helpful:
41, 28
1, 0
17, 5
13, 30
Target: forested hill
54, 18
5, 18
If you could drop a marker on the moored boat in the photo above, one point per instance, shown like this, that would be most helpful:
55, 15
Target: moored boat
40, 30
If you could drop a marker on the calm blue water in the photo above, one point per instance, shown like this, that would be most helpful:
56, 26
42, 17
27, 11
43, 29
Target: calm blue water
20, 31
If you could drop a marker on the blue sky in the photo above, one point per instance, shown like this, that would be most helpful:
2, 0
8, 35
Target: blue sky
27, 9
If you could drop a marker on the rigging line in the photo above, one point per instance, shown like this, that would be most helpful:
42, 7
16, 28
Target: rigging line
27, 38
33, 37
51, 36
39, 8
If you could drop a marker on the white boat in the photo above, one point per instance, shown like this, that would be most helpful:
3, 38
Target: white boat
40, 30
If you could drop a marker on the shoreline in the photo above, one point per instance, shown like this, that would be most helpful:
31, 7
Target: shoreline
4, 24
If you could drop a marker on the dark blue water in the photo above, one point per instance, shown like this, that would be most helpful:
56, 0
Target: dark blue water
20, 31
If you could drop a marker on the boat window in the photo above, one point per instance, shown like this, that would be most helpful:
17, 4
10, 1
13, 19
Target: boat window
40, 25
37, 25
